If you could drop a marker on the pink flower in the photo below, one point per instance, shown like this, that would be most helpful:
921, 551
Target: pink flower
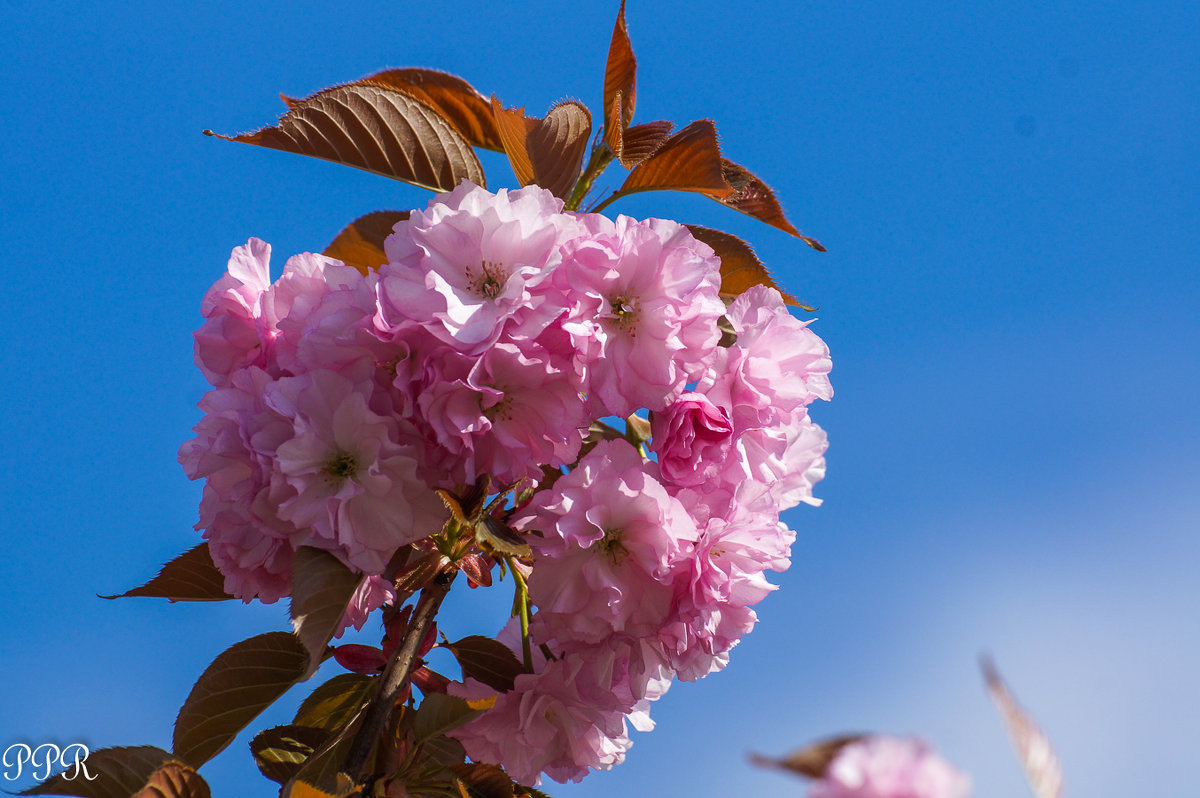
356, 488
644, 310
371, 594
610, 542
473, 262
692, 439
890, 767
233, 337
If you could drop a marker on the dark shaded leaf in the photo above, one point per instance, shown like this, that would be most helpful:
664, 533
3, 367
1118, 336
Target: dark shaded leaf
514, 128
620, 78
438, 714
529, 792
812, 761
360, 659
240, 683
740, 267
191, 576
455, 99
1036, 754
376, 129
281, 751
119, 773
443, 751
175, 780
752, 197
493, 535
688, 160
556, 147
360, 244
484, 781
321, 590
418, 574
334, 704
320, 776
488, 661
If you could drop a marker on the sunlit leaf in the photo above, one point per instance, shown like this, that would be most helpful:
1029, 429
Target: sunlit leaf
418, 574
689, 160
752, 197
642, 142
556, 147
280, 752
812, 761
514, 128
321, 773
438, 714
487, 660
125, 772
334, 704
484, 781
529, 792
376, 129
1041, 765
189, 577
299, 789
240, 683
740, 267
322, 587
458, 101
360, 244
620, 77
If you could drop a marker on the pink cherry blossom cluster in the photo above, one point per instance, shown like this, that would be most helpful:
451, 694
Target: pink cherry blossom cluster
498, 331
890, 767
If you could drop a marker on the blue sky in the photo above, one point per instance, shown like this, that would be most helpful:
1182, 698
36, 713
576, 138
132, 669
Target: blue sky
1010, 195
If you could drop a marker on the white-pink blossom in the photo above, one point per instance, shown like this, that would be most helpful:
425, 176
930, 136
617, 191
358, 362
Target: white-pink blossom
890, 767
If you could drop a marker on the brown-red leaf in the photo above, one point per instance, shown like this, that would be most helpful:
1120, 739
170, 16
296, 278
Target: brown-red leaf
641, 142
137, 772
360, 244
752, 197
556, 147
360, 659
740, 267
514, 128
811, 761
1038, 760
191, 576
620, 77
689, 160
377, 129
458, 101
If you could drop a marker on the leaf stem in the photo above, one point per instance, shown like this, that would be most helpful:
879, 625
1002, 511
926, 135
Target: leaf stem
399, 668
616, 195
523, 603
599, 160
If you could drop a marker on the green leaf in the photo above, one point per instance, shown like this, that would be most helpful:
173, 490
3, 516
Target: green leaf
334, 704
240, 683
487, 660
439, 713
191, 576
321, 589
443, 751
376, 129
280, 752
143, 771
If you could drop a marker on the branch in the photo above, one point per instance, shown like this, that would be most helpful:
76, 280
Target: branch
396, 675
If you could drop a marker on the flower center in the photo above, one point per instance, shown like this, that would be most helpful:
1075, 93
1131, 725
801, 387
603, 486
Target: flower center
623, 312
342, 465
501, 410
612, 548
489, 280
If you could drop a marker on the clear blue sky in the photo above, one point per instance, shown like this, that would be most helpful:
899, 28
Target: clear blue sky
1010, 195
